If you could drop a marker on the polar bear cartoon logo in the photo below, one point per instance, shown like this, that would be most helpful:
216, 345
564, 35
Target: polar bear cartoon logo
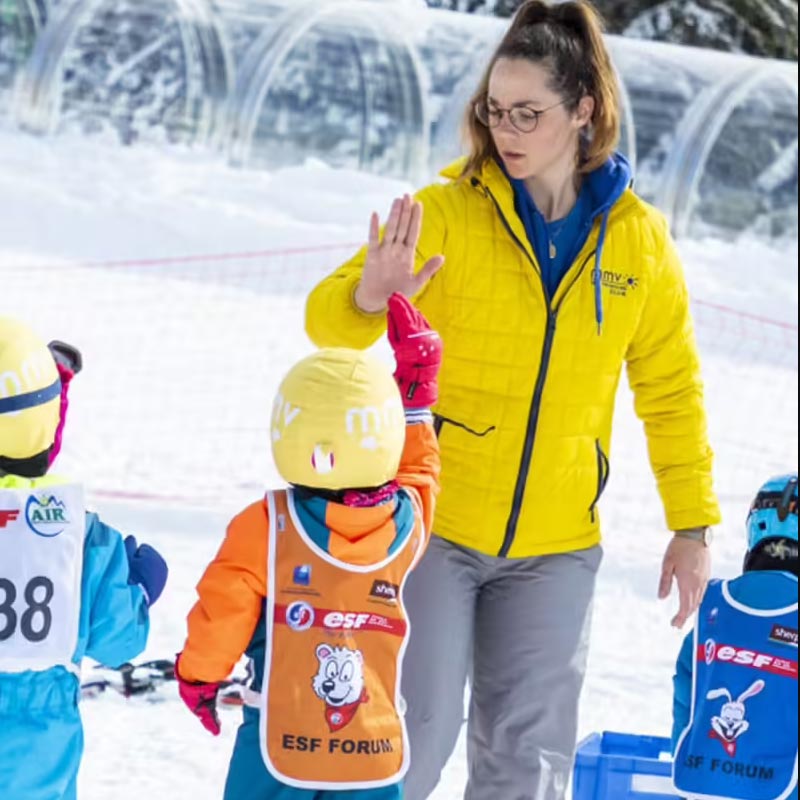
340, 683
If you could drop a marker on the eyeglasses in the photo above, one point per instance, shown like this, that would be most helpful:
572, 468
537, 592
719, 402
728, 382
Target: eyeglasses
523, 118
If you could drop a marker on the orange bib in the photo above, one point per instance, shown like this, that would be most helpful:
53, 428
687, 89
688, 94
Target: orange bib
336, 633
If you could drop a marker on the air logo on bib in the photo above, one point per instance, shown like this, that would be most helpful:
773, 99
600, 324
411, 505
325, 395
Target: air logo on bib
46, 516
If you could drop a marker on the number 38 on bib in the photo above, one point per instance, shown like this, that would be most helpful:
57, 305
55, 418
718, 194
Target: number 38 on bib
41, 558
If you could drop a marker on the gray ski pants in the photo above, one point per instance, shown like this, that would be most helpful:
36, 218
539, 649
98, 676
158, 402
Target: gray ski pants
519, 629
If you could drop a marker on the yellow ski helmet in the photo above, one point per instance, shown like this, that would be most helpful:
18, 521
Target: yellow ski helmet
338, 422
30, 392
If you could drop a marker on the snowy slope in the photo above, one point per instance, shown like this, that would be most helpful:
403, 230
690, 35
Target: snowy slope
182, 358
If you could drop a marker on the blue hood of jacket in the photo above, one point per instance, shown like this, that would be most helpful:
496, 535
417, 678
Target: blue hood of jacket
600, 191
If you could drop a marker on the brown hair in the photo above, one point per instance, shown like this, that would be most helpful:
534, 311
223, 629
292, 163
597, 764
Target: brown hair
567, 39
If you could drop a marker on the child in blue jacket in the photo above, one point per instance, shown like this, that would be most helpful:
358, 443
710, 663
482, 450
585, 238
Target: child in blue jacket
735, 702
69, 585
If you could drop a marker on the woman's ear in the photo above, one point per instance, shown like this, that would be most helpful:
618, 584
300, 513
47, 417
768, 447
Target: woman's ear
585, 111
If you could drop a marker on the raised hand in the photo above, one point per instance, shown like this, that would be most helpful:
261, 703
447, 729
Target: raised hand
389, 266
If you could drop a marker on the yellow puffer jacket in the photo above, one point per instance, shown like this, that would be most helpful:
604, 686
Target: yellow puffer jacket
526, 390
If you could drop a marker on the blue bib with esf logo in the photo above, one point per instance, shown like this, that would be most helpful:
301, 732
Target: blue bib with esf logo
741, 742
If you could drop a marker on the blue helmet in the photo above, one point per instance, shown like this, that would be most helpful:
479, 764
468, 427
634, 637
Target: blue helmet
773, 513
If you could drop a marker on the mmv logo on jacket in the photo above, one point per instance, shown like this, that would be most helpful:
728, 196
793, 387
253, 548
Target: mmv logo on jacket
46, 515
618, 283
384, 590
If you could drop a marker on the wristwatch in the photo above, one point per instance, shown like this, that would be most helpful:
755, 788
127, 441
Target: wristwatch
701, 534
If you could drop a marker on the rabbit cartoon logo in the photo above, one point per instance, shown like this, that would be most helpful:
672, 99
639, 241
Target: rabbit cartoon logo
340, 683
730, 723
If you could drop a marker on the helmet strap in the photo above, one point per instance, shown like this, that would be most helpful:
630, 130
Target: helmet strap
38, 397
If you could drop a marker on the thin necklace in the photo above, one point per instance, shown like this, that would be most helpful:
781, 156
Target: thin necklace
563, 223
554, 238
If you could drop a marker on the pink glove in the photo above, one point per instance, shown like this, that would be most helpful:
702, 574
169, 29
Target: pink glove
417, 351
201, 698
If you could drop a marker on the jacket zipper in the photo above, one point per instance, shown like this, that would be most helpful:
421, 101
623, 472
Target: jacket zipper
530, 437
536, 401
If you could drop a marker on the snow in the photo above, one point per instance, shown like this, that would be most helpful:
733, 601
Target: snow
168, 423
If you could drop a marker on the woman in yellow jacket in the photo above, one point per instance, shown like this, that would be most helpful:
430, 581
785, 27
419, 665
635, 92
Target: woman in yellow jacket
544, 274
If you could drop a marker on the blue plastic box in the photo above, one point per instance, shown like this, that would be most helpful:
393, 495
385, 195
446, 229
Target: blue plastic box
621, 766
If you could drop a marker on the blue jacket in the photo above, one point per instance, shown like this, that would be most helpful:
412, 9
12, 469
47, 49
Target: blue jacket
758, 590
41, 736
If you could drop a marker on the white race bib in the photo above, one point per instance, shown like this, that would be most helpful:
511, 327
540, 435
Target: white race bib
41, 563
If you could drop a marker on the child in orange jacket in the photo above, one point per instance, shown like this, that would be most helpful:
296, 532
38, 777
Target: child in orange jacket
309, 580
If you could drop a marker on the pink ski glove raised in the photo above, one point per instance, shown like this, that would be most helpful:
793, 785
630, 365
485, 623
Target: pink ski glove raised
201, 699
417, 351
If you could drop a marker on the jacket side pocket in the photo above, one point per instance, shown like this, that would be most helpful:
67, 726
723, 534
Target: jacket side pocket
603, 473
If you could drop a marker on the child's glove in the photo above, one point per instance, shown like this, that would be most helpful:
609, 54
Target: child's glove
417, 351
147, 568
201, 700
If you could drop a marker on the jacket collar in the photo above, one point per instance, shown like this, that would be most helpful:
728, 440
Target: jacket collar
393, 520
606, 184
493, 183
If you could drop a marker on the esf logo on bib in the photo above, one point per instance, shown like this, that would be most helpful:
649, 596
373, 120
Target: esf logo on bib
300, 616
46, 516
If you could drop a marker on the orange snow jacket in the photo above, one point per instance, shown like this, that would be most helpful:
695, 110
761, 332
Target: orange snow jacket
335, 633
233, 588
